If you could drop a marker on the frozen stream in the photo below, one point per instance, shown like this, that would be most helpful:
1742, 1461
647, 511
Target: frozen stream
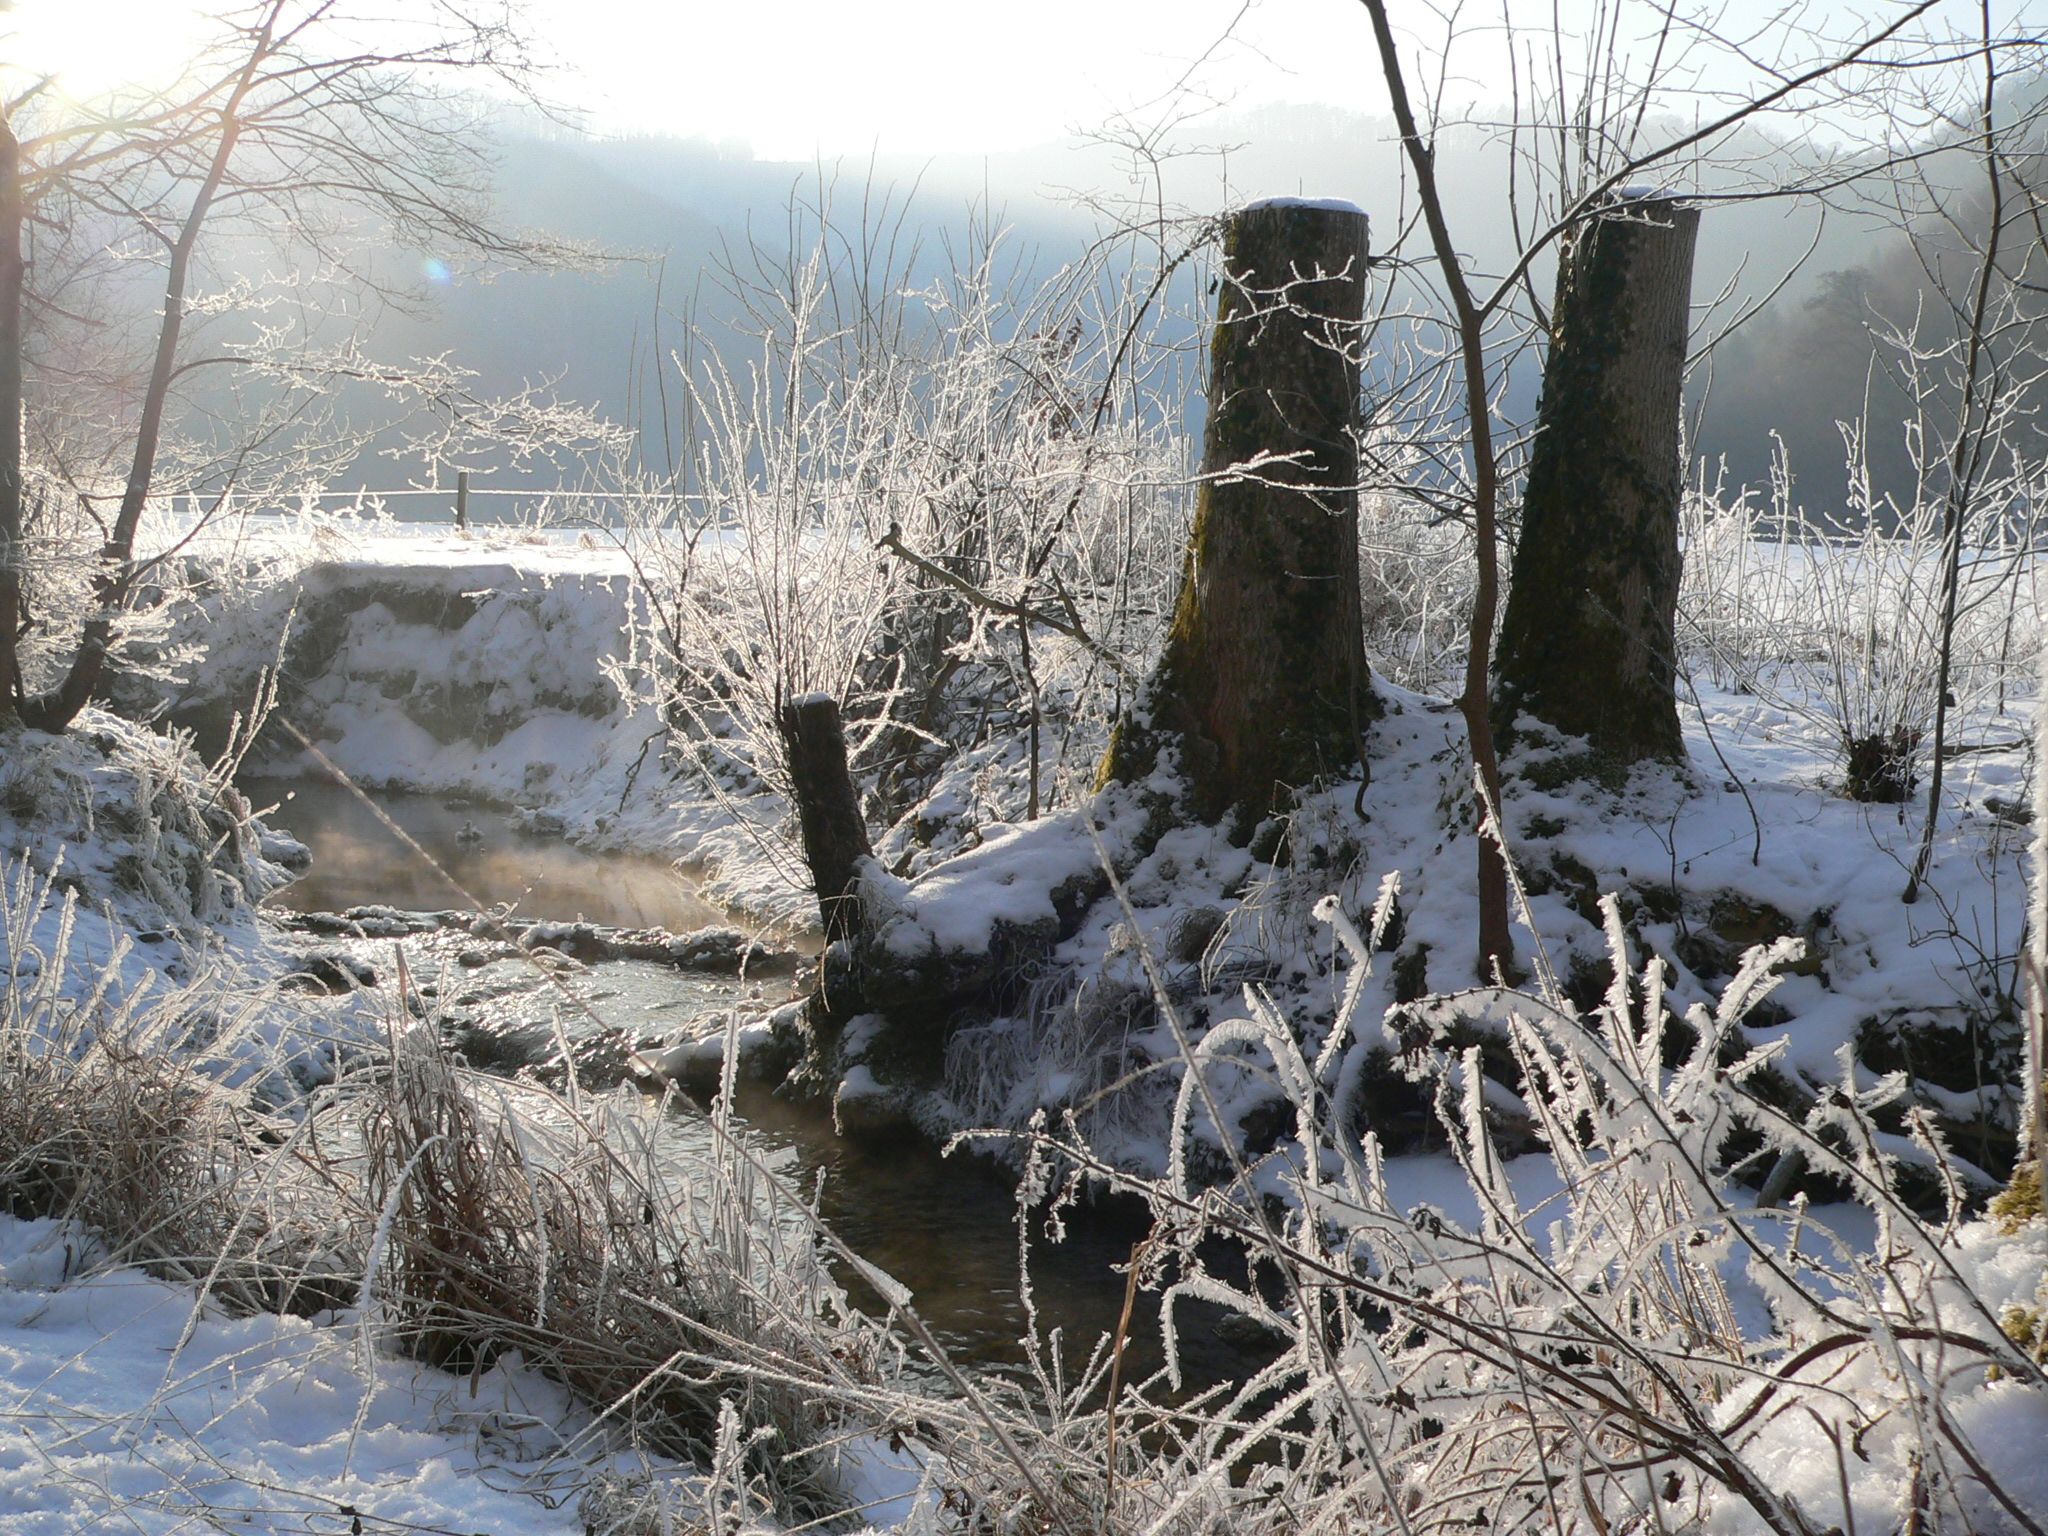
945, 1227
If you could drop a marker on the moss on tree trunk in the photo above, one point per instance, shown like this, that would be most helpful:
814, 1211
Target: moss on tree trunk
13, 214
1587, 643
1263, 681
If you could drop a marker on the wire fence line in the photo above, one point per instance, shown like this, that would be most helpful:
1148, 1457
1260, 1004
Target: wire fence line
448, 494
502, 505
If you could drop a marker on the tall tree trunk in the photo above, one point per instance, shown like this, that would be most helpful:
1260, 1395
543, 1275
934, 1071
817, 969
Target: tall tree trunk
1588, 641
12, 214
1263, 684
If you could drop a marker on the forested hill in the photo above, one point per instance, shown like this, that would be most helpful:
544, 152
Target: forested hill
676, 210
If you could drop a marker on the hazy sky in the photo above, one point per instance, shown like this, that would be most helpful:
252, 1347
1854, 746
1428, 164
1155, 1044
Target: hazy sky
790, 77
793, 76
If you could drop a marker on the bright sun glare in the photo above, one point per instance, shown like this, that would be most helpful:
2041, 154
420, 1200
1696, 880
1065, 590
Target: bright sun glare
94, 48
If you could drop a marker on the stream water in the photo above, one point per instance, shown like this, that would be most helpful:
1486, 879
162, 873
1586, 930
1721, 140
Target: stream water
477, 850
944, 1227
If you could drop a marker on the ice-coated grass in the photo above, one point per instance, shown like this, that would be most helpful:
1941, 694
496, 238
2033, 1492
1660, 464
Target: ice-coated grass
1626, 1342
416, 1211
672, 1322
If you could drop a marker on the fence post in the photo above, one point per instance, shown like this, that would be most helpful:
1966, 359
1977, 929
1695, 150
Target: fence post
462, 501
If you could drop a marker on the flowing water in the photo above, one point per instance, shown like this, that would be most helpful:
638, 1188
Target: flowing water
946, 1227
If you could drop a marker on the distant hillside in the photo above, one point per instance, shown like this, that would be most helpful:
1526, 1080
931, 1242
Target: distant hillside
1793, 371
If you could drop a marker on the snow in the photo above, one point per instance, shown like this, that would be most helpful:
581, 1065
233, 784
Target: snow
1321, 204
456, 666
135, 884
1009, 880
1821, 854
888, 1488
2002, 1419
706, 1051
126, 1402
485, 668
1826, 862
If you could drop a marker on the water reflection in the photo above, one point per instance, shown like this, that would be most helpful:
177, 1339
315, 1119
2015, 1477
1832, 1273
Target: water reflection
946, 1227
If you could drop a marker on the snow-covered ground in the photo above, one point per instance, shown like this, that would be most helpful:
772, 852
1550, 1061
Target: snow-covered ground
130, 1404
502, 665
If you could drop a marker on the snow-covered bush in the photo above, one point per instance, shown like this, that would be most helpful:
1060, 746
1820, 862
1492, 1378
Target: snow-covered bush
137, 820
1416, 581
134, 1106
65, 537
1836, 618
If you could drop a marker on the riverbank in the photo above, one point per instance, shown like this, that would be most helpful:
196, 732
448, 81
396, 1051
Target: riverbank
261, 1221
501, 670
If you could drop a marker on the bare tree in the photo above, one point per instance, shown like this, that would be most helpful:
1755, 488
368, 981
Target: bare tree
947, 494
307, 131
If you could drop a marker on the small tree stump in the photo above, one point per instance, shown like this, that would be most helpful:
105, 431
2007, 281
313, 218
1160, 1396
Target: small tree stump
1588, 641
828, 810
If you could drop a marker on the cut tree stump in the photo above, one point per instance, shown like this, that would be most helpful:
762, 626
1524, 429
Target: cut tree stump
1587, 644
828, 809
1263, 683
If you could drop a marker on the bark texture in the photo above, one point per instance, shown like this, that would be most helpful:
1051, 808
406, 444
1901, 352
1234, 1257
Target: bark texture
1263, 681
1587, 643
828, 809
12, 215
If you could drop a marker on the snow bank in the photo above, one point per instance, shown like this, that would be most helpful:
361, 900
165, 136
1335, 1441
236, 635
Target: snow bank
125, 1401
441, 666
497, 670
128, 887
